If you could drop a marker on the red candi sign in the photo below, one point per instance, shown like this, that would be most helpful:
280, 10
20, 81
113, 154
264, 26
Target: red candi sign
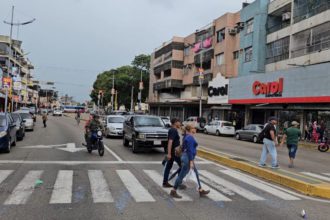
269, 89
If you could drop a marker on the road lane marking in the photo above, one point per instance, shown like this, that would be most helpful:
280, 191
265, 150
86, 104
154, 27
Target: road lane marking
327, 174
317, 176
216, 186
244, 178
113, 153
24, 189
99, 187
214, 194
137, 191
62, 192
4, 174
157, 178
237, 189
63, 162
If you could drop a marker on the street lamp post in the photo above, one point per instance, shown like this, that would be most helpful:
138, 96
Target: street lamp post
112, 91
200, 79
140, 92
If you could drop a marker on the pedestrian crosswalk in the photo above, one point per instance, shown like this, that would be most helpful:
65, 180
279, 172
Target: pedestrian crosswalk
323, 176
143, 187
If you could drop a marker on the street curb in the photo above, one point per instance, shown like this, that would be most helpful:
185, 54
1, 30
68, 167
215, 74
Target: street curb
321, 190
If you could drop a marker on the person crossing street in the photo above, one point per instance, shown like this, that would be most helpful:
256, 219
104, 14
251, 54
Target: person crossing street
44, 119
291, 136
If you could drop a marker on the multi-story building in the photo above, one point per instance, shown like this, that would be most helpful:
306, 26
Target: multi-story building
12, 56
176, 68
294, 85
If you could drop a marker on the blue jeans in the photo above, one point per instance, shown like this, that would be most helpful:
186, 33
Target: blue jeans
185, 167
268, 147
169, 165
292, 150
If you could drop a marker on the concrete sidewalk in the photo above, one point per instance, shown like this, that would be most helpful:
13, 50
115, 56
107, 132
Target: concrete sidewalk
296, 181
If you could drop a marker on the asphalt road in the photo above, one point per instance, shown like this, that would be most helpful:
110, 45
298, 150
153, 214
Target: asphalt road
123, 185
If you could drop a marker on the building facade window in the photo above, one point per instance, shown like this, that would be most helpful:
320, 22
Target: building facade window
220, 59
249, 26
186, 51
221, 34
235, 55
304, 9
248, 54
278, 50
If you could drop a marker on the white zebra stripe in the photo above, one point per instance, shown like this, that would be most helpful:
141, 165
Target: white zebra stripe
99, 187
137, 191
215, 195
317, 176
237, 189
4, 174
157, 178
24, 189
327, 174
259, 185
62, 192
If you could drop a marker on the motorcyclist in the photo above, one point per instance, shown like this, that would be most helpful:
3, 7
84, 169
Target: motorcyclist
91, 127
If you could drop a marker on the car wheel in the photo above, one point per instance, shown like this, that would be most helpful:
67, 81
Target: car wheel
218, 133
8, 147
125, 141
238, 137
205, 131
134, 146
255, 139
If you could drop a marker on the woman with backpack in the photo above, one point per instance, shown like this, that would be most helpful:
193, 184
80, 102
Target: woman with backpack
189, 151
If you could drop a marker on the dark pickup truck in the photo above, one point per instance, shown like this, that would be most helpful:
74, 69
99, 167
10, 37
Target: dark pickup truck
145, 132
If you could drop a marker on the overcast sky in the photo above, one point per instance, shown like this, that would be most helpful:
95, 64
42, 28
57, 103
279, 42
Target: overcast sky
72, 41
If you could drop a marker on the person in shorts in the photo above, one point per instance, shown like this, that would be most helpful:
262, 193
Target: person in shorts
291, 136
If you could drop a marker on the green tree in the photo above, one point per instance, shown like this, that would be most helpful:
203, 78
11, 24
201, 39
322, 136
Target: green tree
125, 77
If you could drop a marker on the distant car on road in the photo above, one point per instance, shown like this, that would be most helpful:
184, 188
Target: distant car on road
28, 120
197, 122
114, 125
250, 132
20, 127
7, 132
218, 128
57, 112
145, 132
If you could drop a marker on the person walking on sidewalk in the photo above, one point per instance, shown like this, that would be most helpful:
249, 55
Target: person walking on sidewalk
270, 143
173, 142
44, 119
189, 151
291, 136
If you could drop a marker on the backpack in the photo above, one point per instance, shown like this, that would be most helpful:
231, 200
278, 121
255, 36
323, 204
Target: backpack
262, 134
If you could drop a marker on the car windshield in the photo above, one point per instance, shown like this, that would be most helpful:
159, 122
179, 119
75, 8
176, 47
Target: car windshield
26, 116
260, 127
227, 124
2, 121
148, 121
116, 120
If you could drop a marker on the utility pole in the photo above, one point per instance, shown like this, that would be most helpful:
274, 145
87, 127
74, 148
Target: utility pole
140, 92
200, 78
112, 91
132, 100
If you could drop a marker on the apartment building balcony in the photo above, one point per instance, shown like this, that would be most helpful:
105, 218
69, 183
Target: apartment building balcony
208, 76
279, 19
304, 9
168, 84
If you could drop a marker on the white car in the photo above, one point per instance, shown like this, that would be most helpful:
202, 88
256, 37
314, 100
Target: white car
57, 112
114, 125
220, 128
27, 119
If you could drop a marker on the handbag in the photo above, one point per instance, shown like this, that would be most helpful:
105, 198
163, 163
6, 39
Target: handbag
178, 151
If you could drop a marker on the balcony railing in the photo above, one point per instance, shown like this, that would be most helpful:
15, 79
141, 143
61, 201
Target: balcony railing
208, 76
305, 9
168, 84
278, 27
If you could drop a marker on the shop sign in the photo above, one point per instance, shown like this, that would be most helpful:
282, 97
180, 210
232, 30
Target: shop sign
17, 85
218, 90
270, 89
6, 82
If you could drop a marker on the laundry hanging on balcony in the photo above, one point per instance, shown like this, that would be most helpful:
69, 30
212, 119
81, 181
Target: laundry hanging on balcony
207, 43
197, 47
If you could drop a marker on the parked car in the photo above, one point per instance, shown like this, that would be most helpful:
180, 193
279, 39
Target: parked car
197, 122
166, 120
114, 125
57, 112
145, 132
20, 126
28, 120
250, 132
7, 132
220, 128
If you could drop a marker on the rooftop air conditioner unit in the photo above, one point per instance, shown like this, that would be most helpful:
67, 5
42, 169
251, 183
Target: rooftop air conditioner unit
232, 31
286, 16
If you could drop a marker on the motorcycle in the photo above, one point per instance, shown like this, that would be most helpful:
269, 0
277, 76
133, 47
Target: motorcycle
324, 145
96, 142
